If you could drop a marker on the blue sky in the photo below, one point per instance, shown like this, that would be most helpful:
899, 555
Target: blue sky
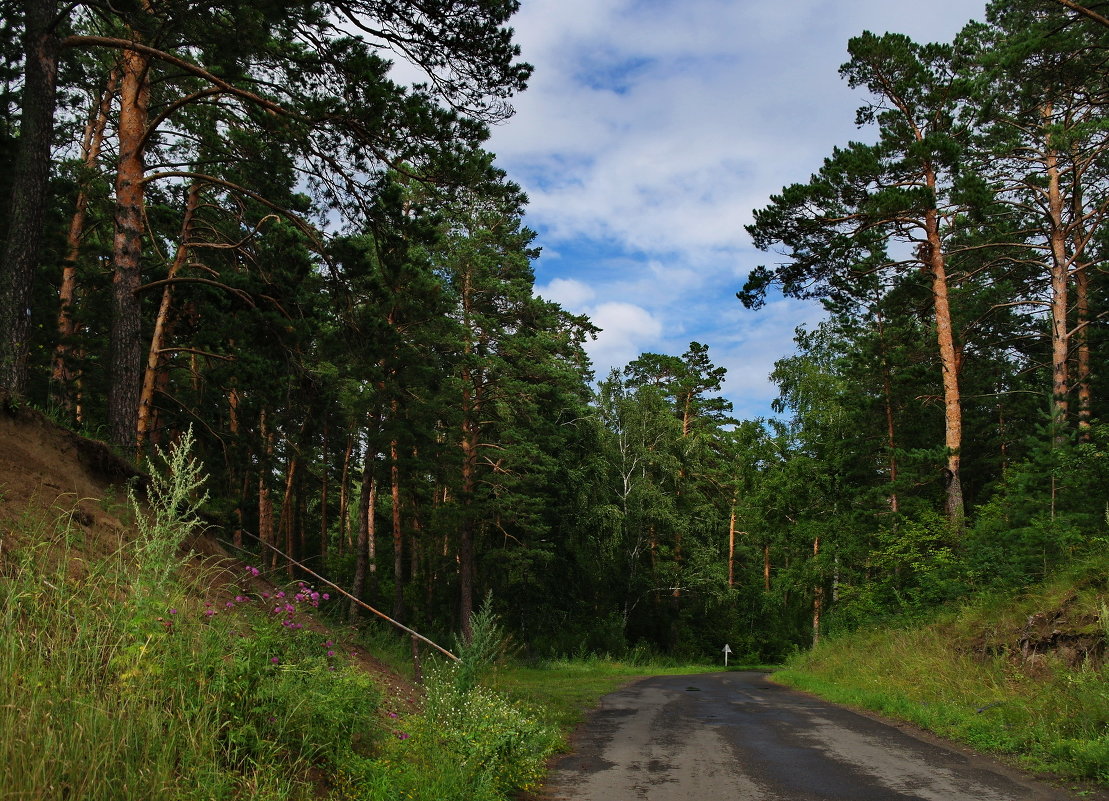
650, 132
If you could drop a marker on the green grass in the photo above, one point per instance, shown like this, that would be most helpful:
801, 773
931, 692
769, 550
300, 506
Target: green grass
963, 677
566, 689
107, 692
121, 682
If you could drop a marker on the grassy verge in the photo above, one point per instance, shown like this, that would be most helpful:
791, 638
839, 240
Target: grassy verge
565, 689
964, 676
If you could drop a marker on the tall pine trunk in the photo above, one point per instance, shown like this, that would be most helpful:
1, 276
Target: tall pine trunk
364, 565
887, 403
1082, 334
287, 520
766, 567
125, 369
949, 365
27, 207
1059, 267
817, 597
62, 378
324, 465
731, 546
344, 496
398, 530
265, 501
470, 438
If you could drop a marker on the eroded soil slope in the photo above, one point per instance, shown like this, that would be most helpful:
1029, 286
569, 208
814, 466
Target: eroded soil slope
56, 484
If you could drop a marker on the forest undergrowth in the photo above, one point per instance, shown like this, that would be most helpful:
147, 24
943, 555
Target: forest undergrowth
133, 680
1018, 675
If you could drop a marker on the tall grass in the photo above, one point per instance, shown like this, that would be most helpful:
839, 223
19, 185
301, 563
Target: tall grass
115, 684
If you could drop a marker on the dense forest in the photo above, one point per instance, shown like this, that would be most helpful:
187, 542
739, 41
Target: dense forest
233, 219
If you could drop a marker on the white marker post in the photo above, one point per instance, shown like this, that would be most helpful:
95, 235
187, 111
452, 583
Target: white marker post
727, 650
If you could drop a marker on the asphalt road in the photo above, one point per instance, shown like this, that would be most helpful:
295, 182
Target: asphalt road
739, 737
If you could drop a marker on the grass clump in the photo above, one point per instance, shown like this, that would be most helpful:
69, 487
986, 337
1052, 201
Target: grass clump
473, 744
118, 682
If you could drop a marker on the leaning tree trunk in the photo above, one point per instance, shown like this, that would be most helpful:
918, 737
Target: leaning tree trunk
29, 192
155, 361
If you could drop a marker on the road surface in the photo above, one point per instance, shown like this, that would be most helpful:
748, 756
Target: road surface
736, 736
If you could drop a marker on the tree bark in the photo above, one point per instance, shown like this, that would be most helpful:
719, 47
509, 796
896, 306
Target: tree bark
817, 597
29, 191
265, 502
887, 398
949, 363
324, 464
1060, 278
766, 567
363, 560
155, 363
125, 379
287, 520
237, 535
471, 434
398, 530
61, 378
344, 496
731, 546
1082, 377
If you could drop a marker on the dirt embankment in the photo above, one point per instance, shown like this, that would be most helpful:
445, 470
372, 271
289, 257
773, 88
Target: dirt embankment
55, 481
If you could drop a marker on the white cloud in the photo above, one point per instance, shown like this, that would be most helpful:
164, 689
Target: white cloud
661, 125
568, 293
626, 331
651, 131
